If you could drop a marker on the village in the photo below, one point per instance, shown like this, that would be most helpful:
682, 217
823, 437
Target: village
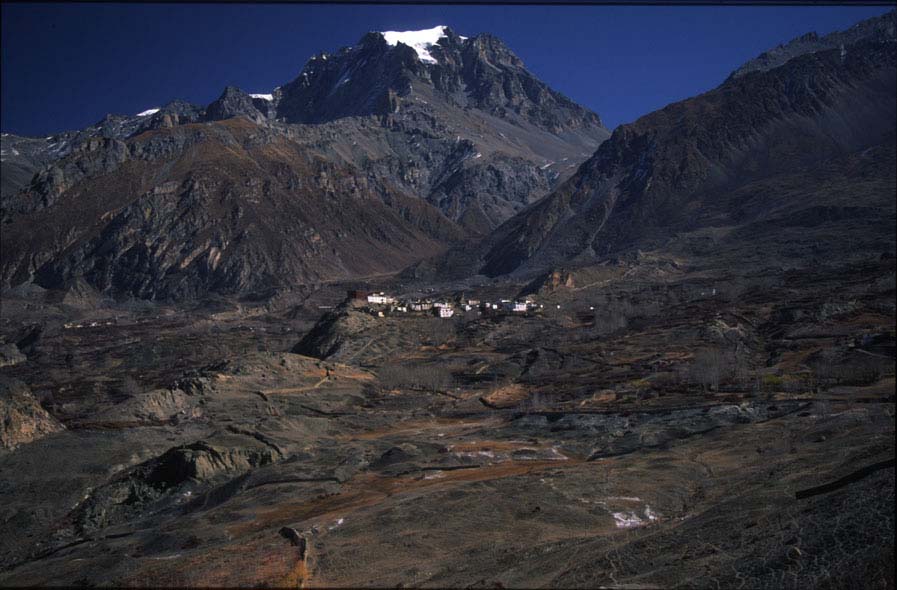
381, 304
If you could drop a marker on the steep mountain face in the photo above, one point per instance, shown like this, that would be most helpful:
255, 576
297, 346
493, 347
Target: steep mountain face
440, 137
459, 121
222, 207
21, 158
686, 166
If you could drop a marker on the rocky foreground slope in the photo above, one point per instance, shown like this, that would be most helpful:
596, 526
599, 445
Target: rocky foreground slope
690, 443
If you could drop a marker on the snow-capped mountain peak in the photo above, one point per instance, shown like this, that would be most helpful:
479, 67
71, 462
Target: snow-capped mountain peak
420, 41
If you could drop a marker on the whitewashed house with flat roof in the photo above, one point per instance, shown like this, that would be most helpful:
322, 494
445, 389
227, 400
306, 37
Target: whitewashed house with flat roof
446, 312
381, 298
420, 305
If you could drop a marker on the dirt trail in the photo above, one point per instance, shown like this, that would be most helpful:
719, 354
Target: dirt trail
288, 390
360, 350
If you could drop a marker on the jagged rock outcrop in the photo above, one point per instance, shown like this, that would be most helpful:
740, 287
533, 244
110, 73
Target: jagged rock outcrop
22, 419
233, 102
332, 331
206, 459
23, 157
154, 407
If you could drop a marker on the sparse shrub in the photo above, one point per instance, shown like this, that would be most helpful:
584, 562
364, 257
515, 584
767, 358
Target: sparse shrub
771, 382
129, 387
885, 284
709, 368
640, 383
730, 291
649, 308
832, 371
606, 323
416, 377
437, 331
795, 383
534, 403
665, 380
833, 309
859, 374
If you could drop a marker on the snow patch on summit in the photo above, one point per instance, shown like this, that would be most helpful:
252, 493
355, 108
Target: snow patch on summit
268, 97
147, 112
420, 41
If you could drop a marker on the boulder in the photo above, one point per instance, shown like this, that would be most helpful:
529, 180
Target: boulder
398, 454
158, 405
205, 459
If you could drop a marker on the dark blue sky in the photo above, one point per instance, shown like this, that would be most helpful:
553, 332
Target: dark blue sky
64, 66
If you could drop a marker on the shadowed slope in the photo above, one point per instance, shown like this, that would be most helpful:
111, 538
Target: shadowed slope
671, 171
225, 207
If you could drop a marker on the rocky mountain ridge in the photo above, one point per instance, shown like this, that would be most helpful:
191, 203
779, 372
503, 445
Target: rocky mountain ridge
476, 93
673, 171
880, 29
218, 208
466, 140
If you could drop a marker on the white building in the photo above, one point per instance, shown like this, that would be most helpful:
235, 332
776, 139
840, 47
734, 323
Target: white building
446, 312
381, 298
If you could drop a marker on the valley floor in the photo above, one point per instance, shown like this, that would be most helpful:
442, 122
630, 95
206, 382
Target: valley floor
684, 445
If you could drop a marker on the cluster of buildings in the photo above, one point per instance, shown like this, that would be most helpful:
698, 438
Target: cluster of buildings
381, 304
